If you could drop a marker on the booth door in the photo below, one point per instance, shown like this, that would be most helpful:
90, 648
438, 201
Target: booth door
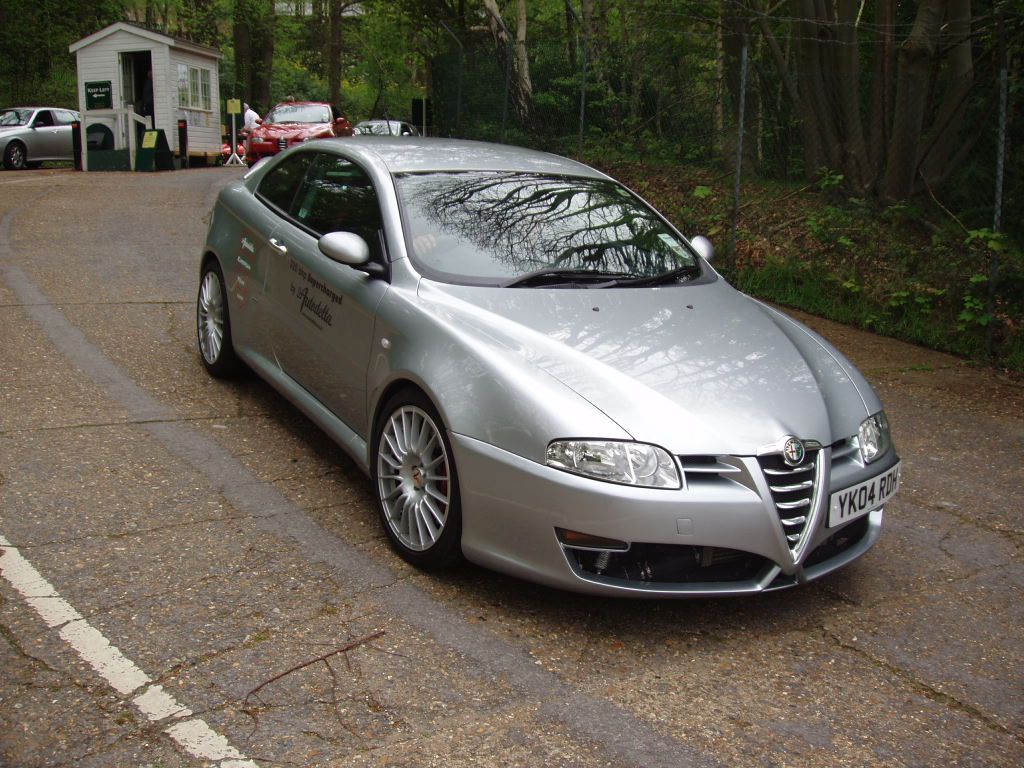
135, 69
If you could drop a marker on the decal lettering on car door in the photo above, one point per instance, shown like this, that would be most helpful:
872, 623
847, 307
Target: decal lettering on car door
315, 306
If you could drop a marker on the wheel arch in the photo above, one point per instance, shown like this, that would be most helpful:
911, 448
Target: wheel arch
389, 391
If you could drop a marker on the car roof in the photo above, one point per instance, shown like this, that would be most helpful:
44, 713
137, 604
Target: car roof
301, 104
418, 154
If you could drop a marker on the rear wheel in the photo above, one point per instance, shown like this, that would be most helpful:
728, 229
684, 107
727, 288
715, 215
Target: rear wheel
415, 482
213, 325
15, 157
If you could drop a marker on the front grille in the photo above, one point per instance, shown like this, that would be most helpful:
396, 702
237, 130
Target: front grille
792, 490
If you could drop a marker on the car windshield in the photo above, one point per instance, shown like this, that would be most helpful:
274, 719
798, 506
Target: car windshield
299, 113
505, 228
15, 116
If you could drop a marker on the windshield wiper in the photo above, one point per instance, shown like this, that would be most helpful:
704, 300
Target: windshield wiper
687, 270
552, 277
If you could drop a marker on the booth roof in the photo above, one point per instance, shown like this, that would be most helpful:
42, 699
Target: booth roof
147, 33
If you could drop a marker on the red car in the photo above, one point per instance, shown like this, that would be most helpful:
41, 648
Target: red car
293, 123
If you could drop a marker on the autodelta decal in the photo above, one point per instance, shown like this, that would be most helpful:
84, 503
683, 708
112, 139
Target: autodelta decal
246, 246
316, 298
244, 259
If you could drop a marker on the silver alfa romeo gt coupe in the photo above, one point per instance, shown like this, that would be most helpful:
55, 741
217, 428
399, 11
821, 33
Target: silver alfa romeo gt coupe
539, 373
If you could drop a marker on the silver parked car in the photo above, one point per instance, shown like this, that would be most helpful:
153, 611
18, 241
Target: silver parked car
386, 128
30, 135
540, 373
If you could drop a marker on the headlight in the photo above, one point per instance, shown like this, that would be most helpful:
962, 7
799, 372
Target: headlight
873, 436
615, 462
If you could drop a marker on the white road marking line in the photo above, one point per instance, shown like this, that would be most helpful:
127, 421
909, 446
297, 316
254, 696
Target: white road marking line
194, 735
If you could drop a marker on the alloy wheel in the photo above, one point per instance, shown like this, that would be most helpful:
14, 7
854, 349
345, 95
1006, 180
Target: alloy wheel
414, 477
211, 317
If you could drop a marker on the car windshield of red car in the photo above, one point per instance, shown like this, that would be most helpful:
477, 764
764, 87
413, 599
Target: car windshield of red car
299, 113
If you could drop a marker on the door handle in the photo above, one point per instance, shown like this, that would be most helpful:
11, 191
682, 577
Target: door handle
278, 246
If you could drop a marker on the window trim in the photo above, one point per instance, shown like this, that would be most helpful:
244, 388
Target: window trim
287, 216
197, 94
271, 204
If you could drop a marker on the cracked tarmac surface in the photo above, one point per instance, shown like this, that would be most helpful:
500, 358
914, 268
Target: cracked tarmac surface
219, 540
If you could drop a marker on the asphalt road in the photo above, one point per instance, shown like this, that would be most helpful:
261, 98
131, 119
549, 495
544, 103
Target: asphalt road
191, 568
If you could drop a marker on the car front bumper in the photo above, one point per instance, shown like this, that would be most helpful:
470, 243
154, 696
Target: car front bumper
720, 535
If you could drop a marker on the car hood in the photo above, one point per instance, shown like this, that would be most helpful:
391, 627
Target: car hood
290, 130
698, 368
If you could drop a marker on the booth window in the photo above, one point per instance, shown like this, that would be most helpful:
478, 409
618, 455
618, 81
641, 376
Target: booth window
194, 88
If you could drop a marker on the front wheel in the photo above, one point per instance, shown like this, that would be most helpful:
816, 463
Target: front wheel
213, 325
415, 482
15, 158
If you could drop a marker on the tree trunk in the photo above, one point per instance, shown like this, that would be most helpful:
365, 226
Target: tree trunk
521, 88
855, 166
570, 36
959, 77
243, 52
334, 51
913, 84
881, 85
524, 83
820, 140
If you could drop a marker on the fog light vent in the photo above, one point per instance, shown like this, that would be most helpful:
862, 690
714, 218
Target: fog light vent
578, 540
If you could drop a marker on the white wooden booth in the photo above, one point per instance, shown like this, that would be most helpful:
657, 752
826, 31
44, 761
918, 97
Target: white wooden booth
115, 67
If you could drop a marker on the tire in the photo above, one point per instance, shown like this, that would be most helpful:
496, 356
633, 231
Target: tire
415, 482
213, 325
15, 157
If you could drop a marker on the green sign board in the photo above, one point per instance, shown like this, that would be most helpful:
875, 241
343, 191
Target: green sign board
99, 95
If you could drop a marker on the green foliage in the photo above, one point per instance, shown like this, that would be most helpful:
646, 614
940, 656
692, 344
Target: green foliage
829, 179
35, 65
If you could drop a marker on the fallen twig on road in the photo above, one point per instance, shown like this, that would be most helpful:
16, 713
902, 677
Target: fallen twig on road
337, 651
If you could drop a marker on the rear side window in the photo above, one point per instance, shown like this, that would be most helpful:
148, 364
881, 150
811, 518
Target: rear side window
64, 117
279, 186
338, 196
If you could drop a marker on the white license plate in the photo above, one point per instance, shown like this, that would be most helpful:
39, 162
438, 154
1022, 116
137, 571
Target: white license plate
857, 500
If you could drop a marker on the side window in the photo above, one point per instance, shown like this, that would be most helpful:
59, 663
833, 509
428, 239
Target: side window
278, 187
43, 119
338, 196
64, 117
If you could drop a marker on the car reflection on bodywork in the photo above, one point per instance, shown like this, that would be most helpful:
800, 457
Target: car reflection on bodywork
540, 373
